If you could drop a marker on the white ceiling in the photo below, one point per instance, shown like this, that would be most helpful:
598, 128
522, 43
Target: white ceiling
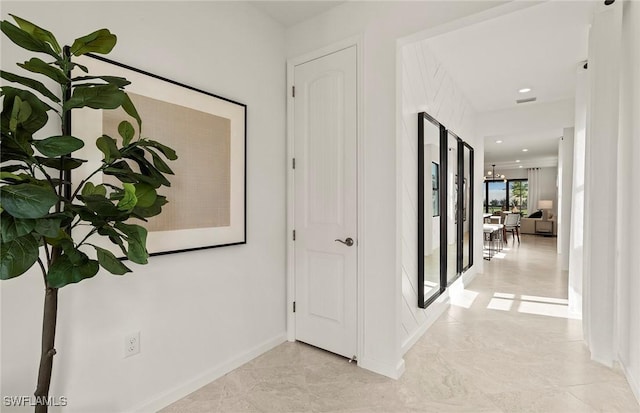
539, 47
542, 149
290, 13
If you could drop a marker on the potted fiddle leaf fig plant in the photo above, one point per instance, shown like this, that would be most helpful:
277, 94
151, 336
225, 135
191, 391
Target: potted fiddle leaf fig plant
40, 206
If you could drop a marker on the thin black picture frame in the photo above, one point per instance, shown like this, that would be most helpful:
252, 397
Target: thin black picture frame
240, 236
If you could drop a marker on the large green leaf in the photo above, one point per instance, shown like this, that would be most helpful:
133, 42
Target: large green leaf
119, 82
125, 129
60, 239
11, 177
12, 168
150, 211
33, 84
87, 215
58, 145
101, 41
20, 114
91, 189
36, 65
12, 228
48, 227
17, 256
166, 151
61, 164
101, 206
131, 110
66, 217
27, 200
126, 174
76, 257
136, 242
96, 97
109, 262
109, 148
146, 168
37, 32
12, 149
38, 117
146, 195
129, 200
26, 40
63, 272
159, 163
114, 236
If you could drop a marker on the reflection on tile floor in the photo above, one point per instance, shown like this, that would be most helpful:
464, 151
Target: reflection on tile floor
507, 345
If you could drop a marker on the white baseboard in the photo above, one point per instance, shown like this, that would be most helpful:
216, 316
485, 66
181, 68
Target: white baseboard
163, 400
394, 371
435, 310
469, 276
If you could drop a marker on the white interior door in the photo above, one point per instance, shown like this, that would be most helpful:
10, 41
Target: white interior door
326, 202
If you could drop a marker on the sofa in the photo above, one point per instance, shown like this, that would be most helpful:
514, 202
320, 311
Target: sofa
528, 225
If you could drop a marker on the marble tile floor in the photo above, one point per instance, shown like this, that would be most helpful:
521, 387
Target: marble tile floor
507, 344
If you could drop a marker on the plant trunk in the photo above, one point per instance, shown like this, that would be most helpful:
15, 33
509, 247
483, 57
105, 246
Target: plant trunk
48, 350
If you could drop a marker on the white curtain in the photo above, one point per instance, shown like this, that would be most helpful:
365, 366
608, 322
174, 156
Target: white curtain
533, 175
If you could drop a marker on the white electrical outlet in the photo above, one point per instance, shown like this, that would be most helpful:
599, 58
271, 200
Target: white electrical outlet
132, 344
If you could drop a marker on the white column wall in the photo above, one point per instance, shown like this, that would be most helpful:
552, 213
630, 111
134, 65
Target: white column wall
565, 178
628, 226
600, 182
576, 241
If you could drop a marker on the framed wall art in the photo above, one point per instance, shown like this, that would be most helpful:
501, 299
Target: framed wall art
207, 196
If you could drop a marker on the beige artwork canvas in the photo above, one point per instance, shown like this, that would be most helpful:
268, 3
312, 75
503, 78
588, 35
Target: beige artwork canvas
200, 192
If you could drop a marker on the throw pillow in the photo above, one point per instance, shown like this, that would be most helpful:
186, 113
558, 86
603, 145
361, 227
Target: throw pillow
537, 214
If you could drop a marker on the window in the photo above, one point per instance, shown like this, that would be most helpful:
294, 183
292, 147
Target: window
516, 191
497, 196
518, 195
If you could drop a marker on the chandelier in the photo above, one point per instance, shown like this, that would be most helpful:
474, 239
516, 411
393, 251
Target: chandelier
492, 176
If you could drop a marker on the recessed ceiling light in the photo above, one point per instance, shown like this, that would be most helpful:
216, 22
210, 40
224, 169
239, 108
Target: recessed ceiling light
525, 150
498, 141
524, 90
520, 166
517, 160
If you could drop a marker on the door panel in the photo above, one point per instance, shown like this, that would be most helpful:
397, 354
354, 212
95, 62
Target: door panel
325, 202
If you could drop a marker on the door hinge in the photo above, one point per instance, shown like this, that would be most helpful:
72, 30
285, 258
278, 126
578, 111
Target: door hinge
293, 91
294, 234
294, 306
293, 163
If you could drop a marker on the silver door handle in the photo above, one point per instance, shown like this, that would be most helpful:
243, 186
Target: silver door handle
348, 242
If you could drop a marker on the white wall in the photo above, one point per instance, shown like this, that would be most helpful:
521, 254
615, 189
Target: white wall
565, 182
199, 313
380, 24
576, 243
628, 288
426, 87
600, 182
548, 178
520, 173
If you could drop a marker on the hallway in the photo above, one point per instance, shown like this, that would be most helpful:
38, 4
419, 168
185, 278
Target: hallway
505, 345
